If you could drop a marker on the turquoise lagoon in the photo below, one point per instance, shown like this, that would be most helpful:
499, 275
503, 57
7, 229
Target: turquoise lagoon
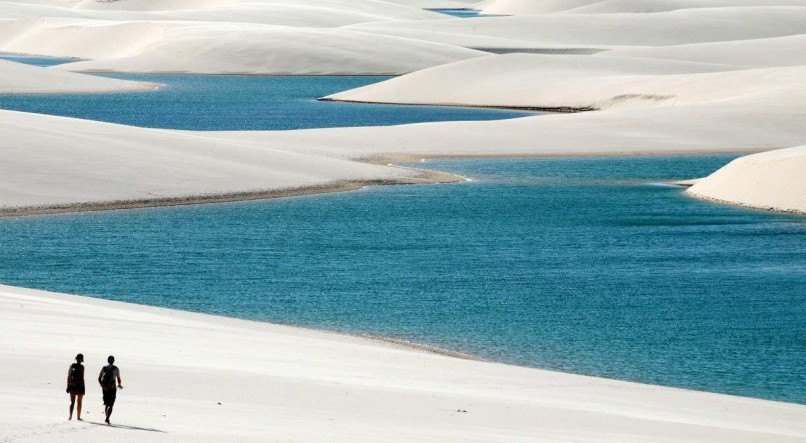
589, 265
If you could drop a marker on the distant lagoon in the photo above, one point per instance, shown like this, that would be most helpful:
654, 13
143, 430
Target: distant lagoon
235, 102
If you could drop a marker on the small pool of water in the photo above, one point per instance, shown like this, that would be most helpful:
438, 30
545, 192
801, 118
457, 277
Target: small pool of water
458, 12
36, 60
587, 265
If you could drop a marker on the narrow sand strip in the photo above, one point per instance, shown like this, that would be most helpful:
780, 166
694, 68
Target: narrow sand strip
18, 78
421, 177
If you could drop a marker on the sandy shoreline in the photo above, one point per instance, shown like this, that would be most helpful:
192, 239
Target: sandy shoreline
558, 110
143, 86
424, 177
736, 204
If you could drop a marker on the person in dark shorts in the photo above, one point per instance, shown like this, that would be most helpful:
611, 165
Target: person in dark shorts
75, 385
109, 378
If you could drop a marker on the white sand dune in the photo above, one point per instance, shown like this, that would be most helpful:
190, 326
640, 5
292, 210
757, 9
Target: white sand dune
16, 78
438, 4
307, 13
527, 7
172, 5
151, 5
769, 180
193, 377
59, 37
739, 125
221, 48
576, 82
55, 161
754, 53
18, 11
603, 31
531, 7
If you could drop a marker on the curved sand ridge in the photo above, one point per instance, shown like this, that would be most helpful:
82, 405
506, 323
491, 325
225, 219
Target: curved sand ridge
18, 78
773, 180
577, 82
52, 164
754, 53
729, 126
221, 48
194, 377
161, 5
530, 7
602, 31
310, 13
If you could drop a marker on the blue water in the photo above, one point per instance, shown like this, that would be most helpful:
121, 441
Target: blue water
237, 102
582, 265
458, 12
36, 60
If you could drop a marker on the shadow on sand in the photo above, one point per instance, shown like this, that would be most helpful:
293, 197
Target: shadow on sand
132, 428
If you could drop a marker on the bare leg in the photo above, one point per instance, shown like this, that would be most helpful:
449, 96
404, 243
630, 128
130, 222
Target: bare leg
72, 403
78, 416
108, 413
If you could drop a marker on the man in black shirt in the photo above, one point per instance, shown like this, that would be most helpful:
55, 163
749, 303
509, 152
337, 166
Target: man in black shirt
110, 374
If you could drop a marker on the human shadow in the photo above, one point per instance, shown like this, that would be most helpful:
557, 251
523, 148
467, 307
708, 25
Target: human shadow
132, 428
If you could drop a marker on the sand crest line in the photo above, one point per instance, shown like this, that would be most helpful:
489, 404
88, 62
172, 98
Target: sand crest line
552, 109
741, 205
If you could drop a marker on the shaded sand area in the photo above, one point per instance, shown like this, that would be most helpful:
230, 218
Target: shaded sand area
193, 377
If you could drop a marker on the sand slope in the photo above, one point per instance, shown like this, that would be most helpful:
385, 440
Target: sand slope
218, 48
551, 31
222, 36
729, 126
770, 180
16, 78
756, 53
227, 49
577, 82
529, 7
307, 13
55, 161
191, 377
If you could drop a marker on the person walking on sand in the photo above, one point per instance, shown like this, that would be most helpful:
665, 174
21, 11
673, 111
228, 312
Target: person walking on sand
75, 385
109, 378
